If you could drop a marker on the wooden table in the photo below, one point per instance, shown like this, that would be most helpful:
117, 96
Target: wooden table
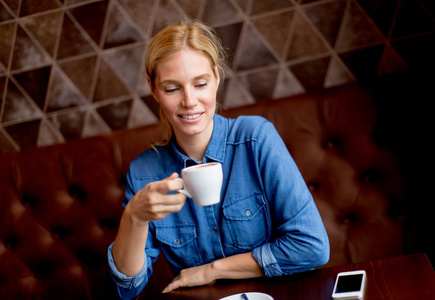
405, 277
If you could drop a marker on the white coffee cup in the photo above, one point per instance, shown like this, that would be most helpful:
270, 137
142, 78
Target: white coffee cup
203, 183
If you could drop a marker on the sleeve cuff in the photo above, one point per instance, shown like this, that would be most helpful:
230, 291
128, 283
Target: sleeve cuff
121, 279
264, 257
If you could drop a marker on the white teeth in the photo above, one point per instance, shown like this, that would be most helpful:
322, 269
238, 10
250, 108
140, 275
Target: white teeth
191, 117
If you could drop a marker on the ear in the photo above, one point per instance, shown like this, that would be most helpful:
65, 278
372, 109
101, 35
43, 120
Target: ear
152, 89
218, 79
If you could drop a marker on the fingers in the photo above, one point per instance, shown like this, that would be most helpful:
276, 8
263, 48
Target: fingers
159, 207
166, 185
155, 202
195, 276
178, 284
172, 286
173, 176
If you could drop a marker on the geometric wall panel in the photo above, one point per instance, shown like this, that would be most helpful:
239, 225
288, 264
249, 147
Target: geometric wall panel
74, 68
412, 18
91, 18
81, 72
275, 29
45, 29
218, 12
35, 83
17, 106
357, 30
305, 41
363, 63
312, 73
125, 60
120, 30
26, 54
62, 94
73, 41
253, 53
327, 18
109, 84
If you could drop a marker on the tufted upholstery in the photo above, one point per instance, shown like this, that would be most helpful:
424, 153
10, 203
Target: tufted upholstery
60, 205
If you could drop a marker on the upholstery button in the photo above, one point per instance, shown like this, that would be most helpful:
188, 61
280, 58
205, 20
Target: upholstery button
59, 232
123, 181
43, 269
107, 224
349, 218
331, 143
372, 176
11, 241
313, 186
78, 192
28, 201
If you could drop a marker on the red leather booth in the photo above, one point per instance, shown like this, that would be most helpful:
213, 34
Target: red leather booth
60, 205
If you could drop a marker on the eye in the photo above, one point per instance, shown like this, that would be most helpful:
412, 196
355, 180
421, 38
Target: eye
201, 84
170, 90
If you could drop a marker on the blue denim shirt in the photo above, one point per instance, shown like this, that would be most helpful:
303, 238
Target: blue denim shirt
266, 207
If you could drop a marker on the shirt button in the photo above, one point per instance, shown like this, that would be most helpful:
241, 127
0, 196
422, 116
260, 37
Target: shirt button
215, 229
177, 241
248, 213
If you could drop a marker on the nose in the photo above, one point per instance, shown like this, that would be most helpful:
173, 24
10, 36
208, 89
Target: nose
189, 99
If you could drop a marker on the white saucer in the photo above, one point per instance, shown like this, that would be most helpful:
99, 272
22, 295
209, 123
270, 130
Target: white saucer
251, 296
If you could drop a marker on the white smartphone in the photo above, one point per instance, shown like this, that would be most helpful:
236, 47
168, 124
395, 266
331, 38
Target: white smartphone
349, 285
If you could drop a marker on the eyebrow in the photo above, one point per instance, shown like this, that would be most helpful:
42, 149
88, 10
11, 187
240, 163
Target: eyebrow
205, 76
202, 76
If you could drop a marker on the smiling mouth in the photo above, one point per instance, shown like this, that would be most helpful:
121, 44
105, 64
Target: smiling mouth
190, 117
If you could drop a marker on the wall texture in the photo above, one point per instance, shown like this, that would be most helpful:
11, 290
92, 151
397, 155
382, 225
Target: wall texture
74, 68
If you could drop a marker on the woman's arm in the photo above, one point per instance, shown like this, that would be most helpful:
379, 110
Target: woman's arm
129, 245
149, 204
233, 267
301, 242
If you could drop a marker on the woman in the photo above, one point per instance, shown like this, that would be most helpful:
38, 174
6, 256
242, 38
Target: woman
266, 224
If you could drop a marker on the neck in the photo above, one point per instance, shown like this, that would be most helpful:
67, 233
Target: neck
195, 146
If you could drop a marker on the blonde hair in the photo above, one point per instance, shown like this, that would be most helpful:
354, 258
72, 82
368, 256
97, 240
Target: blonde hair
190, 34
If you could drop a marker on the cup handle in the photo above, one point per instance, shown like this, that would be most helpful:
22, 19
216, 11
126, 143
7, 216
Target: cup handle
184, 190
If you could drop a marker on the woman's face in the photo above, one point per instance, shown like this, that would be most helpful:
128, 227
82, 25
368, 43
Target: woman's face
186, 87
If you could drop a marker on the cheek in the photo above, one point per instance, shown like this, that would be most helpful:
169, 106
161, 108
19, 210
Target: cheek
167, 108
209, 97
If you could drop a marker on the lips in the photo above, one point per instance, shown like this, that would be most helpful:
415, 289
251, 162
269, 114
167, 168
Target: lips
190, 116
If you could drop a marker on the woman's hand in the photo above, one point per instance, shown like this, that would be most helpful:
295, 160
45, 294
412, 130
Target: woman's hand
195, 276
154, 203
232, 267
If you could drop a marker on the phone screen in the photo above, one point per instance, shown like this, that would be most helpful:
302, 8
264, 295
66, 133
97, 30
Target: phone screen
349, 283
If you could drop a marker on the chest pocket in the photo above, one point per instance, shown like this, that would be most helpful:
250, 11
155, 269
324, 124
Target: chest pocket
246, 222
180, 243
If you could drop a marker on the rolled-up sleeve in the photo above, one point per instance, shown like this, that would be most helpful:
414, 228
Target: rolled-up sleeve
264, 257
128, 287
121, 279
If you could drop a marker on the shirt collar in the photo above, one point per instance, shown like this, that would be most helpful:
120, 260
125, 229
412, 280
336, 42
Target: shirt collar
216, 148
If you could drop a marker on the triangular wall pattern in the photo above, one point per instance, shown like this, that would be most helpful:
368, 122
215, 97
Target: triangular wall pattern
75, 68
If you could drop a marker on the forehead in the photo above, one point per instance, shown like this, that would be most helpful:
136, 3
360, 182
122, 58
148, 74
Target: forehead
186, 61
